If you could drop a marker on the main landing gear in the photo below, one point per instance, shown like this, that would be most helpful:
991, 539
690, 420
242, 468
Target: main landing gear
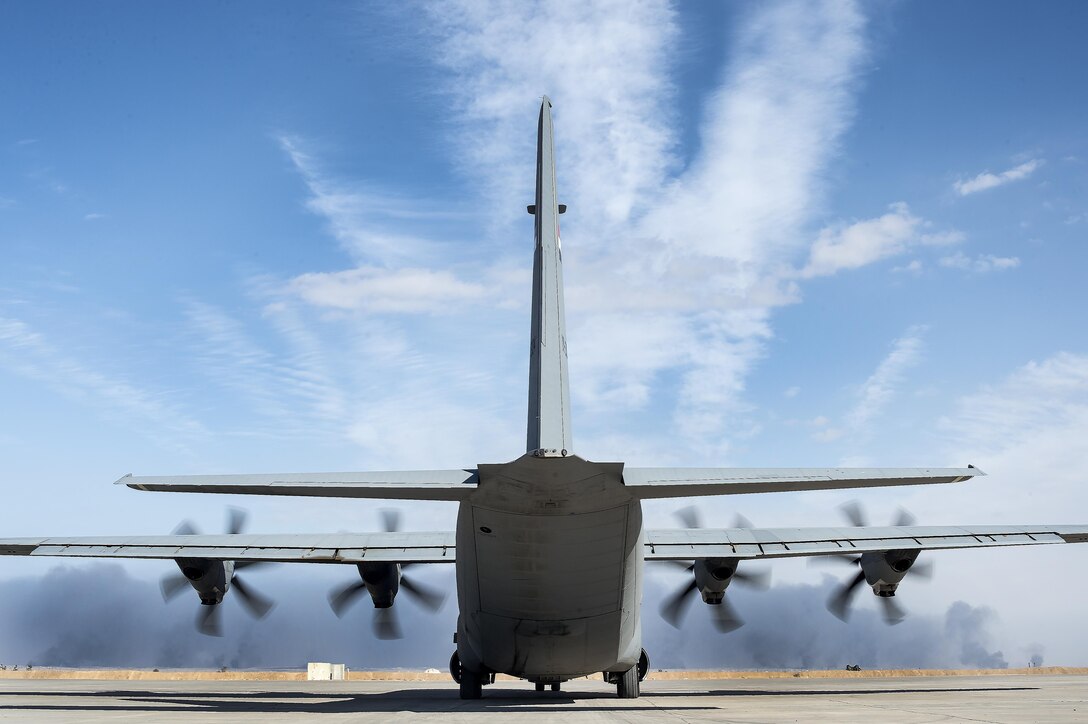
627, 682
471, 682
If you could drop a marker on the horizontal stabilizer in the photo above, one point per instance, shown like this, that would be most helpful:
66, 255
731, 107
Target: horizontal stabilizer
647, 483
690, 543
399, 547
396, 485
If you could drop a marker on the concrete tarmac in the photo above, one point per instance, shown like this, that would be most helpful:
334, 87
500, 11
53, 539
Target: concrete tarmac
901, 699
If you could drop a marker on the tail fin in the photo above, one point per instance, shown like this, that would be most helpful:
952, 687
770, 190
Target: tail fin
549, 391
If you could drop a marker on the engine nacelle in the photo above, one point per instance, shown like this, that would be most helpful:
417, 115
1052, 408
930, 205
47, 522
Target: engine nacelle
209, 577
382, 582
885, 569
713, 576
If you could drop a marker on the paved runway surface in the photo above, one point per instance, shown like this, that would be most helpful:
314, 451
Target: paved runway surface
928, 699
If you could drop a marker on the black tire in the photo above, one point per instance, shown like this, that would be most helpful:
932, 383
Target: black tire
471, 684
540, 686
627, 686
555, 687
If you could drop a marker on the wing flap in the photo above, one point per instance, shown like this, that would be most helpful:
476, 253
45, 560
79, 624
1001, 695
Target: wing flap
686, 544
398, 547
452, 485
648, 483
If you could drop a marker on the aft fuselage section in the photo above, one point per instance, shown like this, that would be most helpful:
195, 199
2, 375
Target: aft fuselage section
549, 561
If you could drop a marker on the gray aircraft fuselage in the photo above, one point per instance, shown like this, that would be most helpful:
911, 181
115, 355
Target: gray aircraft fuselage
549, 570
549, 546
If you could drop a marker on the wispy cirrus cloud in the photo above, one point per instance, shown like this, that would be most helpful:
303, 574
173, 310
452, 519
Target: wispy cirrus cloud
29, 353
694, 248
883, 385
372, 226
872, 397
674, 266
374, 290
987, 180
687, 295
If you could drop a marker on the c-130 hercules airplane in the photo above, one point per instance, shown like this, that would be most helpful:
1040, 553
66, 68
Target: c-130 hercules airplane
549, 547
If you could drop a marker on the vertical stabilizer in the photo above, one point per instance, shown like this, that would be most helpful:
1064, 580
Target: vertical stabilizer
549, 391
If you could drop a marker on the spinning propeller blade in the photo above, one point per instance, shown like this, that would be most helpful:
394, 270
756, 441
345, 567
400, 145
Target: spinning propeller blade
840, 602
209, 620
340, 599
385, 621
676, 605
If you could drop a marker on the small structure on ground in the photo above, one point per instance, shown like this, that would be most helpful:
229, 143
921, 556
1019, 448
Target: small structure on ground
319, 671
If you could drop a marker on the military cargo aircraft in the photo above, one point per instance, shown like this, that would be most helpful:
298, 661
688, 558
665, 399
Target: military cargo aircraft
549, 548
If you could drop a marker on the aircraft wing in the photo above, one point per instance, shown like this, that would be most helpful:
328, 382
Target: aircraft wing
690, 543
684, 482
399, 485
400, 547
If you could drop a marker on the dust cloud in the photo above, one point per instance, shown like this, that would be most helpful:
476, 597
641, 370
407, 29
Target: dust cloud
98, 615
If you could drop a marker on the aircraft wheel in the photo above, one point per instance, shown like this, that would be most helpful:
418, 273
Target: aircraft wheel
555, 687
471, 684
627, 686
540, 686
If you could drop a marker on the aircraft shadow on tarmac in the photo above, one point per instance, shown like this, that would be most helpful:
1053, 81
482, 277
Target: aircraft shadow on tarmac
415, 700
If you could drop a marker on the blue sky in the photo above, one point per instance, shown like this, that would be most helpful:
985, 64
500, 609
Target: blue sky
277, 236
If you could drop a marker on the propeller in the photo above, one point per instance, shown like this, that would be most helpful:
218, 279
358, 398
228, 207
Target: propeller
209, 619
386, 625
842, 599
724, 616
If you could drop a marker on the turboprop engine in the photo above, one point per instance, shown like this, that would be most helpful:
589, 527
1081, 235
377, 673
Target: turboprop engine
882, 570
713, 576
210, 578
383, 581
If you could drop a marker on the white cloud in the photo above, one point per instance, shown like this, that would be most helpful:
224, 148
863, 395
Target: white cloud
376, 290
1041, 400
987, 180
824, 430
29, 354
369, 225
863, 242
915, 266
606, 65
1029, 433
669, 276
883, 385
980, 264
